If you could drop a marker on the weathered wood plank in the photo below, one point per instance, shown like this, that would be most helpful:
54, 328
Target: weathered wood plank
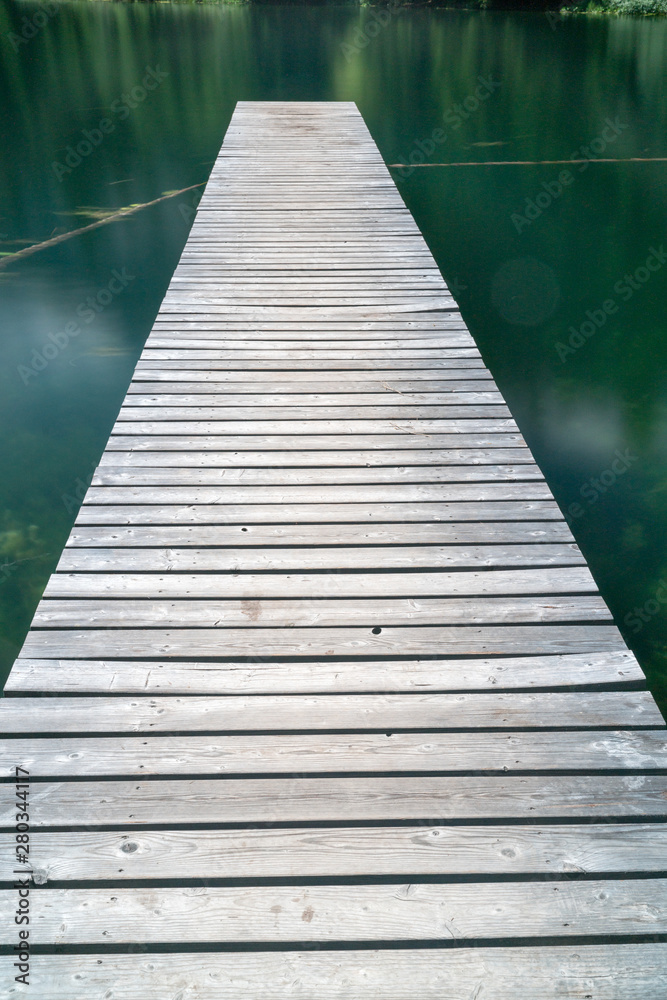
643, 750
195, 801
258, 612
166, 337
368, 381
303, 413
267, 352
267, 310
429, 536
445, 389
132, 558
208, 335
426, 849
607, 972
207, 279
230, 643
351, 513
321, 494
159, 442
268, 259
433, 324
388, 712
559, 580
360, 400
456, 462
329, 369
316, 286
109, 475
335, 428
320, 677
344, 913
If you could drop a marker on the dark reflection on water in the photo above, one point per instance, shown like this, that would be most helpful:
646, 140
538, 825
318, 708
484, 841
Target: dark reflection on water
551, 271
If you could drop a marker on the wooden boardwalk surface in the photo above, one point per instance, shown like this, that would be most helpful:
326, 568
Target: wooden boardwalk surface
335, 710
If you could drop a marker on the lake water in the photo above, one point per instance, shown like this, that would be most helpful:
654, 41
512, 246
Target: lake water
562, 279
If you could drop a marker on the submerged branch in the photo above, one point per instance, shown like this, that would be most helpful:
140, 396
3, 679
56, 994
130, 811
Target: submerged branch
532, 163
35, 247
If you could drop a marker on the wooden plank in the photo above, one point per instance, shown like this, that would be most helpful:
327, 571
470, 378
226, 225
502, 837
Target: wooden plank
242, 283
311, 442
344, 913
307, 399
317, 228
303, 413
434, 324
644, 750
329, 368
447, 327
132, 558
343, 461
427, 276
352, 513
194, 801
430, 537
248, 277
308, 222
255, 612
420, 321
214, 340
308, 216
320, 494
214, 334
409, 850
607, 972
366, 381
213, 306
230, 643
559, 580
360, 260
462, 381
386, 712
213, 354
335, 428
158, 676
185, 475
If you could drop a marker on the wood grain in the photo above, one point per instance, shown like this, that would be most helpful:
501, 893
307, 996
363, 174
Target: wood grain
613, 972
240, 713
318, 581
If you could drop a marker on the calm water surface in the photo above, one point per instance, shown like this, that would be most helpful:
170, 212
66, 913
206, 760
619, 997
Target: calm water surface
551, 273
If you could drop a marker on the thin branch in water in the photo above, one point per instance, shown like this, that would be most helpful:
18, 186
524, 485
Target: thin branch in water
28, 251
531, 163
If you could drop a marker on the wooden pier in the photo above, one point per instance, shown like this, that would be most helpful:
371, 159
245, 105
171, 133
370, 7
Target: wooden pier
322, 702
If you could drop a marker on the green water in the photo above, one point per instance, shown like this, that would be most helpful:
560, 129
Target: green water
526, 89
